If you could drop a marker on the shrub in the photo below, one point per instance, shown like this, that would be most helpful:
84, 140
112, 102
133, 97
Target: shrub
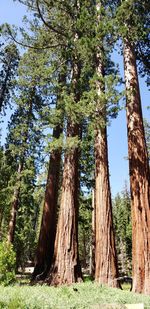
7, 263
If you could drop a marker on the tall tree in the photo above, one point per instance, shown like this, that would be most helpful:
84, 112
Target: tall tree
106, 269
45, 248
66, 248
24, 136
132, 33
65, 268
139, 175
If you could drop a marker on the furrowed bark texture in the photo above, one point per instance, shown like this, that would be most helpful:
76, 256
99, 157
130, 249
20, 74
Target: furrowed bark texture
45, 248
139, 176
106, 269
65, 269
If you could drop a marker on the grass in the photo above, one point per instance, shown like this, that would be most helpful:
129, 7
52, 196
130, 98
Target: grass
78, 296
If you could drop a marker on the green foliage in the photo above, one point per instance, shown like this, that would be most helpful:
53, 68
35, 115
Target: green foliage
23, 149
9, 58
132, 22
7, 263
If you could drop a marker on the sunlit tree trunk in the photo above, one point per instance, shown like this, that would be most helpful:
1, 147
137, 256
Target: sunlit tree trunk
66, 267
106, 269
139, 176
45, 248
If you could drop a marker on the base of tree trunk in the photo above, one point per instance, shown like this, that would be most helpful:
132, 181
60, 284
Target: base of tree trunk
56, 278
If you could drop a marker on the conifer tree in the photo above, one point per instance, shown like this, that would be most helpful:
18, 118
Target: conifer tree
65, 268
63, 33
106, 269
22, 142
45, 247
133, 32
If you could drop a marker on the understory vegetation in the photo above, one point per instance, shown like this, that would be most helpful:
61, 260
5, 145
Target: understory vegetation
78, 296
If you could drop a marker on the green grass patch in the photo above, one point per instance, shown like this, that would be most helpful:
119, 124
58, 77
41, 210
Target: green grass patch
126, 286
78, 296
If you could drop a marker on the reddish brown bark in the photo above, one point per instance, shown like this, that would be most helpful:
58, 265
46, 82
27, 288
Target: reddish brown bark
106, 267
65, 269
45, 248
139, 176
14, 207
106, 270
66, 266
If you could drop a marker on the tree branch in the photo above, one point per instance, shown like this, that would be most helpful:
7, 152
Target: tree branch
31, 46
48, 24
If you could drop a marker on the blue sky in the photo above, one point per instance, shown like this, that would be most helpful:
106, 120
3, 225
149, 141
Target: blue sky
12, 12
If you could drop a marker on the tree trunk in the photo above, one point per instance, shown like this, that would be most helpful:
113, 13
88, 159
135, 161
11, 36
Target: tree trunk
45, 248
14, 208
139, 176
66, 266
106, 268
65, 269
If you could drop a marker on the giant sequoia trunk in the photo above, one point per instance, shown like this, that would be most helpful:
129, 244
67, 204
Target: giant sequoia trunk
106, 270
65, 268
139, 176
45, 248
14, 207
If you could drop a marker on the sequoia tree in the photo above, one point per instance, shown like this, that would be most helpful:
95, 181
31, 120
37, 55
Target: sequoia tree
139, 175
106, 270
45, 247
133, 31
65, 264
65, 267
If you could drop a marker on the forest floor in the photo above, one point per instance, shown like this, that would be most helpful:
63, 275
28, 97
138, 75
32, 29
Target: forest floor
87, 295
